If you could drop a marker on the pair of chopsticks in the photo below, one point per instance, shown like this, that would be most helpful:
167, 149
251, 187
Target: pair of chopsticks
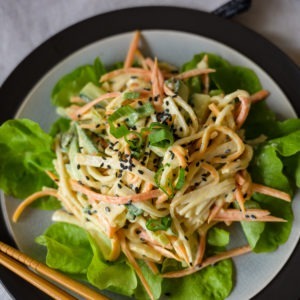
17, 261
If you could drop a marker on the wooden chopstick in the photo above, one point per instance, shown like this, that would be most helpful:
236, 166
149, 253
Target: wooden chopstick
10, 254
39, 282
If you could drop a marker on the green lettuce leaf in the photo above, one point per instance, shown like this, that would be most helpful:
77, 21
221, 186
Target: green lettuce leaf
154, 282
212, 283
227, 77
218, 237
68, 248
71, 84
25, 153
106, 275
232, 78
267, 168
59, 126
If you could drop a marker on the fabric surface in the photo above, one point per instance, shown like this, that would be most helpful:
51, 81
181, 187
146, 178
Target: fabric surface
26, 24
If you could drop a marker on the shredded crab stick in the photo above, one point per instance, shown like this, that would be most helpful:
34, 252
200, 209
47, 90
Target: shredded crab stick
131, 71
193, 72
249, 215
262, 189
94, 196
31, 199
209, 261
133, 263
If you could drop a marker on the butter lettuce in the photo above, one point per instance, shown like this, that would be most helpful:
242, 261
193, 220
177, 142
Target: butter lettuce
72, 250
213, 282
25, 153
227, 77
71, 84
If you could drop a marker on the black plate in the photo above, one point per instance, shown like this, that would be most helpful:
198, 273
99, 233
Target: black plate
266, 55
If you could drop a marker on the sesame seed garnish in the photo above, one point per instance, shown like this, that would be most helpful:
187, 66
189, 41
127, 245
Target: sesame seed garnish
107, 209
141, 172
78, 166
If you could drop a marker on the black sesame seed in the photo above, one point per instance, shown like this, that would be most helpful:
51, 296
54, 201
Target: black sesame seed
140, 103
87, 177
78, 167
141, 172
98, 125
198, 164
119, 186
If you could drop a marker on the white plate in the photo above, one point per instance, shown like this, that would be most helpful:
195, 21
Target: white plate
253, 271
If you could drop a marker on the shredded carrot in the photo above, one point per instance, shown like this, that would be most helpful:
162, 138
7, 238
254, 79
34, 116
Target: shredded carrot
249, 215
240, 198
132, 49
261, 95
180, 154
215, 210
133, 263
156, 87
31, 199
262, 189
52, 176
94, 196
201, 249
209, 261
244, 109
194, 72
152, 266
77, 114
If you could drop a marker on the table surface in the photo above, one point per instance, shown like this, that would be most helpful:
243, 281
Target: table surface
20, 32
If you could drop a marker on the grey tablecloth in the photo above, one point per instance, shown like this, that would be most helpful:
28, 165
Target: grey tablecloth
24, 24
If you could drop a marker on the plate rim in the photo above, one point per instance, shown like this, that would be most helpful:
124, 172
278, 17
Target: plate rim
58, 47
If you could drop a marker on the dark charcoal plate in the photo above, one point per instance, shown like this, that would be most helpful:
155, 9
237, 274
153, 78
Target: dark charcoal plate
40, 61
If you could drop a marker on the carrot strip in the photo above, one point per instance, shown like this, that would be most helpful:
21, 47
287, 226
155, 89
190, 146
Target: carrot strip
77, 114
262, 189
133, 263
261, 95
94, 196
194, 72
132, 48
209, 261
180, 155
240, 198
243, 111
156, 89
249, 215
52, 176
214, 212
31, 199
152, 266
201, 249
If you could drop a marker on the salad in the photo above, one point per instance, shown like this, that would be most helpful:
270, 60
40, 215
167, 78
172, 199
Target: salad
148, 168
